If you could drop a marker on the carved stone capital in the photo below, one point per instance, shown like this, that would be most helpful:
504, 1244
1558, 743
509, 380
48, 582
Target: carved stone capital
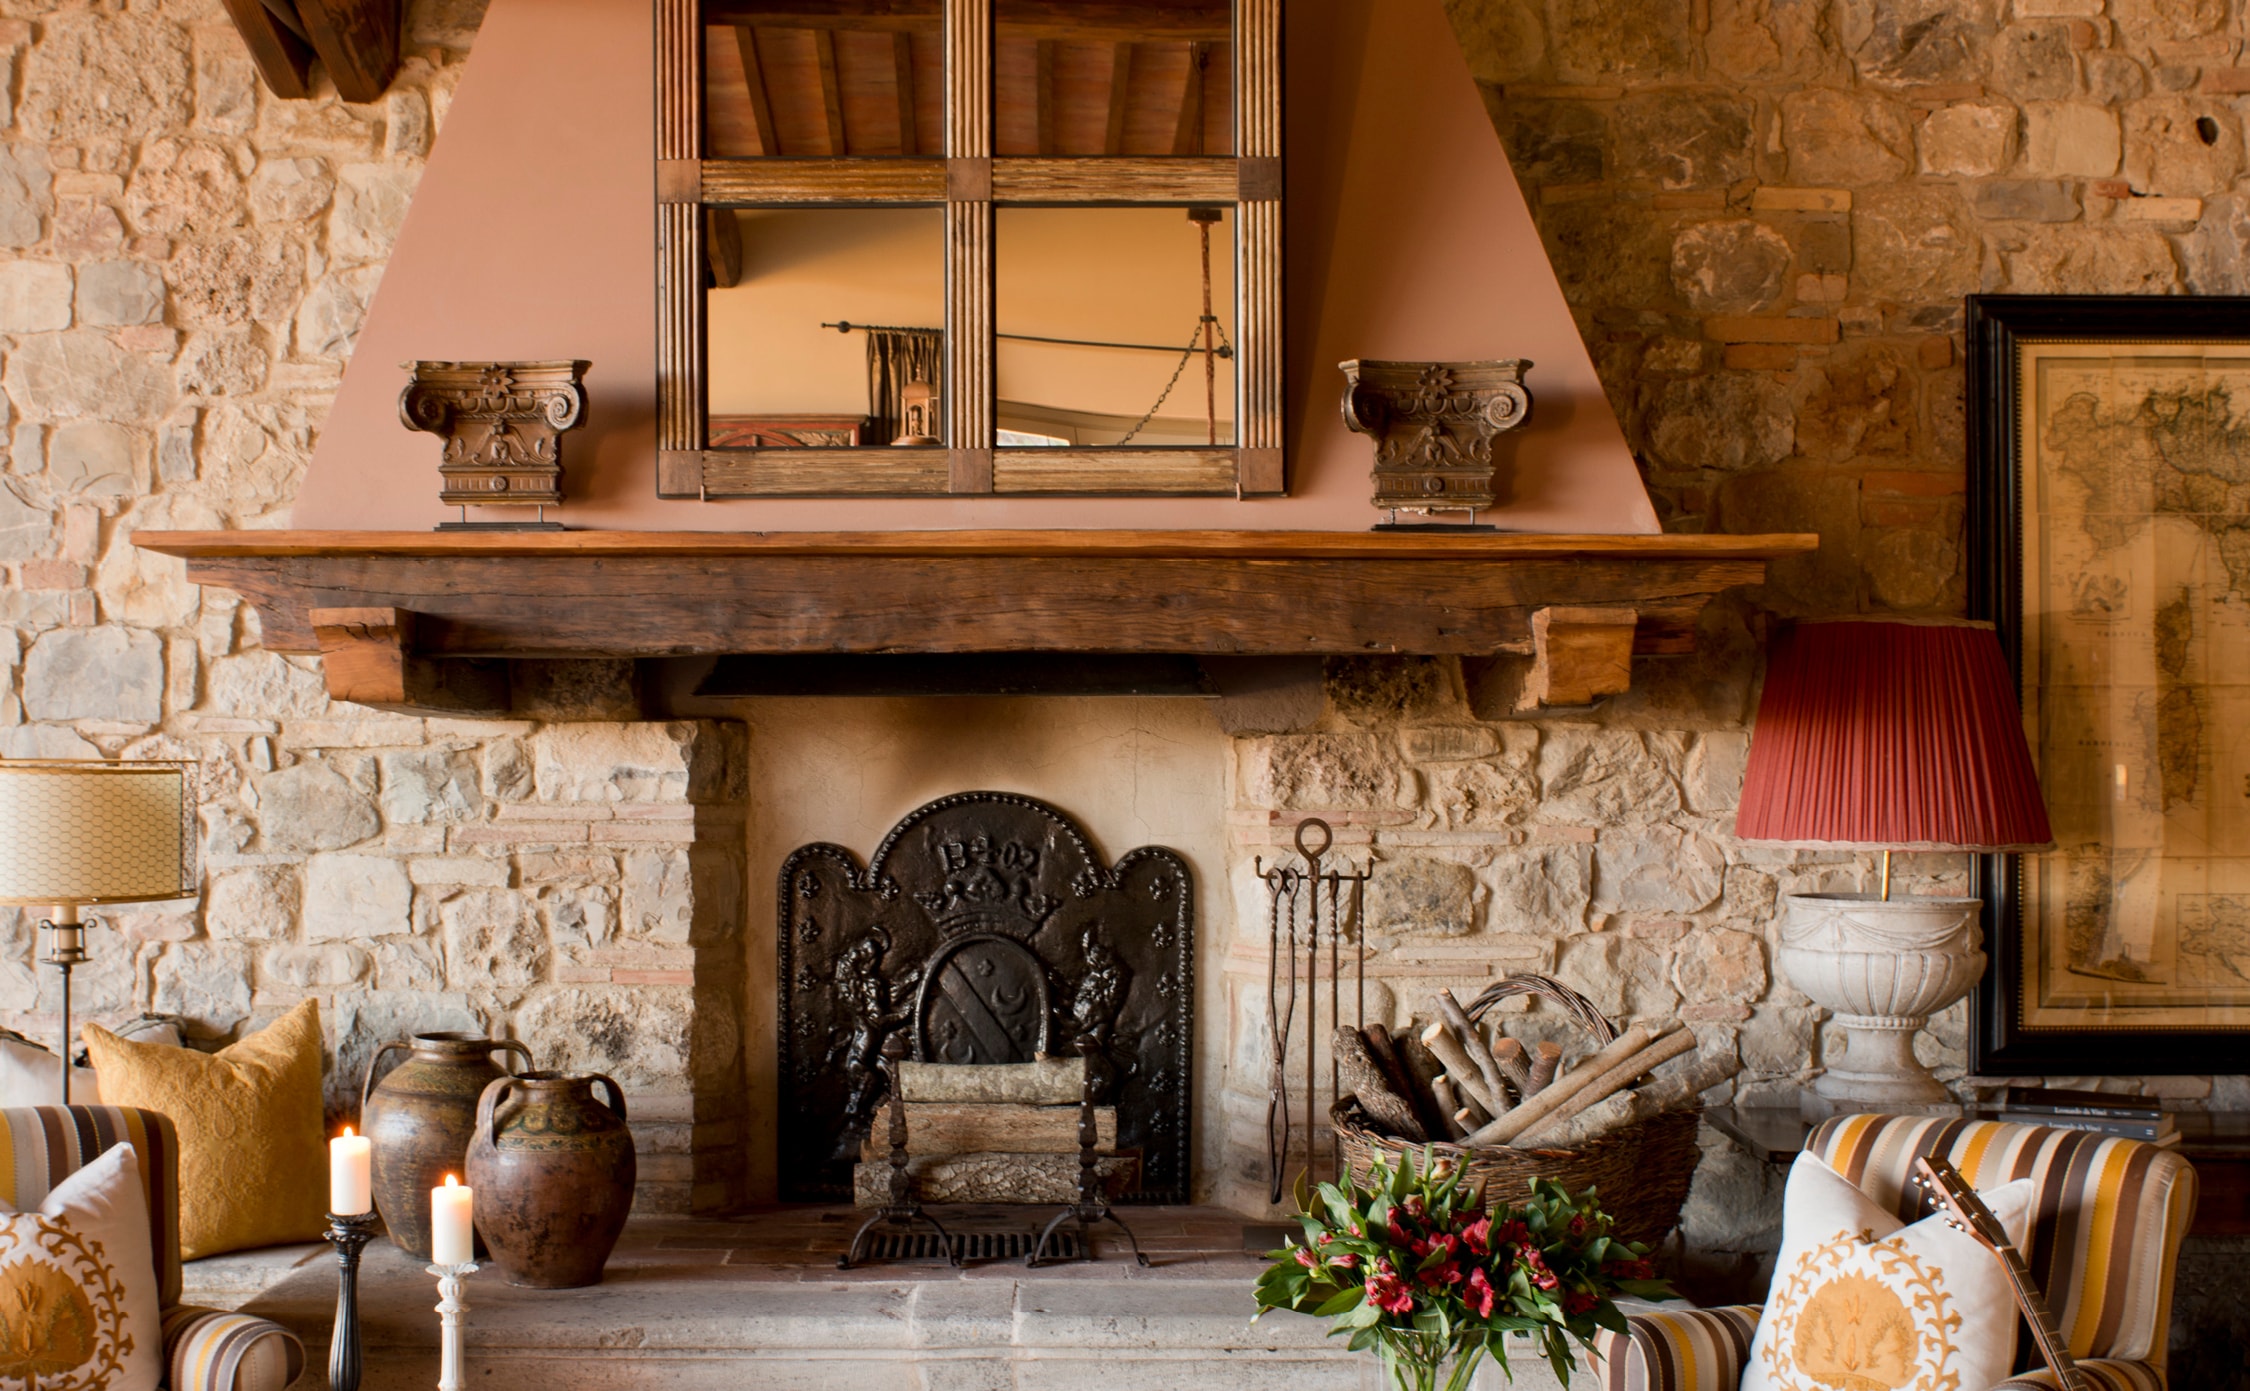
1434, 424
502, 423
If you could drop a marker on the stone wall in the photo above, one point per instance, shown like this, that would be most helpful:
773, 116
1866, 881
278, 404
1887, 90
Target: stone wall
187, 261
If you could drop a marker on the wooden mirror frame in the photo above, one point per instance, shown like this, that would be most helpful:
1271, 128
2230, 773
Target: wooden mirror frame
968, 183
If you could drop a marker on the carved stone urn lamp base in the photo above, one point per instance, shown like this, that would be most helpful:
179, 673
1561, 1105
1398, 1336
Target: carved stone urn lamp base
1882, 967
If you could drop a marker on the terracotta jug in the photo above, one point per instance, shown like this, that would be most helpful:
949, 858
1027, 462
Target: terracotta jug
418, 1123
553, 1169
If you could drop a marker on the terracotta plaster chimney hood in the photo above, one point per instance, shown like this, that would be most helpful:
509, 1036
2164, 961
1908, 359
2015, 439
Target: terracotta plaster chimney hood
1144, 595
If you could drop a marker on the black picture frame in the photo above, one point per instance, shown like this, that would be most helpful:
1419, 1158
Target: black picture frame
1997, 328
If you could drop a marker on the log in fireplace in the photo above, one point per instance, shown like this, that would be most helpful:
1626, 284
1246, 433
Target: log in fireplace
985, 929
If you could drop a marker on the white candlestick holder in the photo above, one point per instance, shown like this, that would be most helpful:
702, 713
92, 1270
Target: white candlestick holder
450, 1307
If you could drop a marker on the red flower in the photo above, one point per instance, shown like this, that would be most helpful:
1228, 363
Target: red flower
1306, 1258
1578, 1225
1345, 1261
1535, 1266
1480, 1296
1511, 1233
1415, 1207
1477, 1236
1641, 1269
1579, 1301
1387, 1292
1402, 1237
1445, 1272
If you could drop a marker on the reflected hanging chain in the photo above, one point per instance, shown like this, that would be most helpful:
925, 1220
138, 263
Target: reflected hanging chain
1164, 395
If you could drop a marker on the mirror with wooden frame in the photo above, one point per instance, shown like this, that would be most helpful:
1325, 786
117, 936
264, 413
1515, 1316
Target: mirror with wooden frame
930, 247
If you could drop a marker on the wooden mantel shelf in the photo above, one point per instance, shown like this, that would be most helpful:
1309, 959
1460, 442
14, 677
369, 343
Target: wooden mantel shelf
393, 609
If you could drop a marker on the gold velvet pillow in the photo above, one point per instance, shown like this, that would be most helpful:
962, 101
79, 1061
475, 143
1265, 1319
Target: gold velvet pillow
252, 1168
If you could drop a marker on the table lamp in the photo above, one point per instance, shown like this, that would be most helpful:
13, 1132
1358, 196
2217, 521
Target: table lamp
74, 834
1887, 735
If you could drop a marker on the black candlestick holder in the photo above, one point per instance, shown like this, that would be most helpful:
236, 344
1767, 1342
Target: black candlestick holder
349, 1235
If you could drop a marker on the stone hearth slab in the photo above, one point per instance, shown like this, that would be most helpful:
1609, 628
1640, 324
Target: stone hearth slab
759, 1301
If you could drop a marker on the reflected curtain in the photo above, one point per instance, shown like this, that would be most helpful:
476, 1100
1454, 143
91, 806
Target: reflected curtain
894, 358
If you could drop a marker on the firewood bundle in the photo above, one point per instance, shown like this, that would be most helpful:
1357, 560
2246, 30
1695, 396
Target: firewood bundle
1455, 1082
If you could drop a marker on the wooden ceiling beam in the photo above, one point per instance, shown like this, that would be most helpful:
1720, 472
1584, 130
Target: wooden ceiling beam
1187, 138
282, 59
1120, 97
1043, 96
357, 41
754, 75
831, 91
902, 61
1111, 21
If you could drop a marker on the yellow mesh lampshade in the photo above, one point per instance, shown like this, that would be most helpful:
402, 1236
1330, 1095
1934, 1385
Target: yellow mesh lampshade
93, 832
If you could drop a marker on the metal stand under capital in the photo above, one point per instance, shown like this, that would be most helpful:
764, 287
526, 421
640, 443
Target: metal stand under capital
349, 1235
450, 1307
66, 947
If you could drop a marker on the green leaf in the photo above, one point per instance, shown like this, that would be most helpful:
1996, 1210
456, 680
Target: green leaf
1348, 1298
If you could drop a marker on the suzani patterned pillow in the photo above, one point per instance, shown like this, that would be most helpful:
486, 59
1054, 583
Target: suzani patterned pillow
78, 1293
1863, 1302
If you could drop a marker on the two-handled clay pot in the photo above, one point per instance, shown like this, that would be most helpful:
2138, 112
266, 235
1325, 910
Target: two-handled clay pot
418, 1122
553, 1169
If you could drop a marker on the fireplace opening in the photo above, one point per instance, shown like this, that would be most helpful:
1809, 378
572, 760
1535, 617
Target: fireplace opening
986, 929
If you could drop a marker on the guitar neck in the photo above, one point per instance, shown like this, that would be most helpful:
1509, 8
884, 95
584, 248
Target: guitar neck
2052, 1345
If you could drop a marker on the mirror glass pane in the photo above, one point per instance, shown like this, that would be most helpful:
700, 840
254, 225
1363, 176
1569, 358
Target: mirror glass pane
782, 375
818, 78
1102, 336
1099, 77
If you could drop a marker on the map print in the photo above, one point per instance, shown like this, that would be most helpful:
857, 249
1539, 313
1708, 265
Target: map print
2137, 657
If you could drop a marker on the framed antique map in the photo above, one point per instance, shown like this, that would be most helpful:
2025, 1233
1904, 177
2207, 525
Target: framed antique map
2109, 540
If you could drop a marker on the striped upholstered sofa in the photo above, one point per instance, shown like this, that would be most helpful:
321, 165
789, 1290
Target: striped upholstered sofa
2108, 1221
205, 1350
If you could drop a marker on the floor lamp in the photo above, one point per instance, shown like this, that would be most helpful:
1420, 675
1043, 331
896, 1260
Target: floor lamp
77, 834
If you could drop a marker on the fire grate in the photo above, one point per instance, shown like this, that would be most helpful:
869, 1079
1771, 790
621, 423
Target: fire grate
973, 1246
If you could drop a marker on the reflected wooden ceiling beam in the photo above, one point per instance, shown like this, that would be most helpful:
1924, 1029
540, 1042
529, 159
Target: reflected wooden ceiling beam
831, 91
1120, 95
1187, 138
761, 104
902, 55
1043, 97
1110, 21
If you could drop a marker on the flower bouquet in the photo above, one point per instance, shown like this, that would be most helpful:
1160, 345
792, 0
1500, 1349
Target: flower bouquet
1416, 1269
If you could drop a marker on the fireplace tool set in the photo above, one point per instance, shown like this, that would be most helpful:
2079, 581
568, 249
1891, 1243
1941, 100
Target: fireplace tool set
1289, 886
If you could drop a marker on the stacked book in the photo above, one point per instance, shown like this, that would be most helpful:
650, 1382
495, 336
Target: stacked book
2105, 1113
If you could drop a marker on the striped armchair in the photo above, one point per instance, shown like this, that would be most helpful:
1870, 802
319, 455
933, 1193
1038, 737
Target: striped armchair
2110, 1215
205, 1350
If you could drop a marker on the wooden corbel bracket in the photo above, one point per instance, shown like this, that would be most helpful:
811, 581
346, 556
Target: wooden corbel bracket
368, 655
1579, 654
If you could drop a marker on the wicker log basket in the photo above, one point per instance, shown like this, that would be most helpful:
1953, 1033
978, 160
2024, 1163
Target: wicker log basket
1641, 1169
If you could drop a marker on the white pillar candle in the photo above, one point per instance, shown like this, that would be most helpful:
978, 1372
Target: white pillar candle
453, 1239
350, 1188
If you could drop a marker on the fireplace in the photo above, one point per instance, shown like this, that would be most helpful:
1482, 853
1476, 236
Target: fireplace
986, 928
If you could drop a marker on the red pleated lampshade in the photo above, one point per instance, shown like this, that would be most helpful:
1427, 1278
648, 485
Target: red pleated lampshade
1891, 736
